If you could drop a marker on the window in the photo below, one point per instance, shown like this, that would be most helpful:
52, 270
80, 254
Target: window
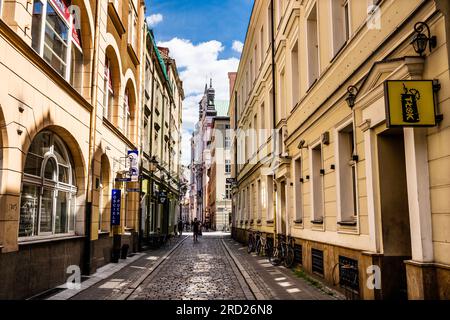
132, 27
1, 4
298, 190
126, 114
108, 91
313, 46
48, 196
227, 166
347, 200
262, 125
255, 134
262, 46
295, 75
258, 202
340, 24
228, 191
270, 209
317, 183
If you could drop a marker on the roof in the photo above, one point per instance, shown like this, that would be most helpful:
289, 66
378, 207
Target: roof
222, 107
160, 59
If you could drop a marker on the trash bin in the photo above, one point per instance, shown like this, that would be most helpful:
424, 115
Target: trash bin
115, 254
124, 252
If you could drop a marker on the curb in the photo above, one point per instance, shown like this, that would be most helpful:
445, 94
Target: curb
247, 278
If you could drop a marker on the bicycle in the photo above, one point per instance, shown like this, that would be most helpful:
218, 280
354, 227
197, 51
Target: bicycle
283, 252
251, 244
262, 246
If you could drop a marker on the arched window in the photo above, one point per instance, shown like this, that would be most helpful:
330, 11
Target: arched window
48, 196
108, 90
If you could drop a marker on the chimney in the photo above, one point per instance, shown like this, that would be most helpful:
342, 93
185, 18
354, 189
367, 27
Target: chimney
164, 51
232, 78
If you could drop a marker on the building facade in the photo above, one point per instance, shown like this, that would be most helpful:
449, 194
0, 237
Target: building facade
75, 111
201, 155
162, 120
316, 156
219, 190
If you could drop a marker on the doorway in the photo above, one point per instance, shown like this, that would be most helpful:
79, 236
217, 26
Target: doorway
394, 212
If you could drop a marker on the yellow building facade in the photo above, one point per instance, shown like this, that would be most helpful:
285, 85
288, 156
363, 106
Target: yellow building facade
327, 168
70, 114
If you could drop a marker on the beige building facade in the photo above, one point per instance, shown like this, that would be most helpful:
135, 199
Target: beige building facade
70, 113
366, 203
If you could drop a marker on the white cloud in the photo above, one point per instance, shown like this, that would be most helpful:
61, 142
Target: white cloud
154, 20
199, 63
238, 46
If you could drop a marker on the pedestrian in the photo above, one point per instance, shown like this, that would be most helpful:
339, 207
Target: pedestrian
196, 229
180, 227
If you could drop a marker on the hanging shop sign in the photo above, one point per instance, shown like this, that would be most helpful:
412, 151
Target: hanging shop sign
133, 157
115, 207
162, 197
410, 103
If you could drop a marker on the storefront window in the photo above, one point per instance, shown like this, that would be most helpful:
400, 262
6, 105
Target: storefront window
48, 189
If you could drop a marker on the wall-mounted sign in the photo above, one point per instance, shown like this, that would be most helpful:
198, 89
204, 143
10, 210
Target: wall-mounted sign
410, 103
115, 207
162, 197
133, 157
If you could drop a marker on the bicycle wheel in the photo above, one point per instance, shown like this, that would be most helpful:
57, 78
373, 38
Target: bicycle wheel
257, 246
289, 261
275, 258
251, 245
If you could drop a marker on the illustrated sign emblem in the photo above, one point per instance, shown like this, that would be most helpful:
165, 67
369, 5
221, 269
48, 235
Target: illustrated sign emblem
133, 156
162, 197
410, 104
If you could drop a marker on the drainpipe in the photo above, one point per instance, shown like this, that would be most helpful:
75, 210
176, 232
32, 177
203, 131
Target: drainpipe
152, 110
92, 138
274, 100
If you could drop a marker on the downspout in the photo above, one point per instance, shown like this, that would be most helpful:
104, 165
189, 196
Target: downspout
152, 208
274, 140
92, 139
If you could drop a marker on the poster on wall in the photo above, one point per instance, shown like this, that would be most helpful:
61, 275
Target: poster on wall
133, 157
115, 207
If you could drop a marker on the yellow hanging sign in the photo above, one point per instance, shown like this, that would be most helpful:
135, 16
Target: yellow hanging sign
410, 103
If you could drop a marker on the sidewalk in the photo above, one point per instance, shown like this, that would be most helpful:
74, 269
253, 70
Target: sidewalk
112, 280
276, 283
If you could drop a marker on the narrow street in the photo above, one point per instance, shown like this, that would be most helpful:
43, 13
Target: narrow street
215, 268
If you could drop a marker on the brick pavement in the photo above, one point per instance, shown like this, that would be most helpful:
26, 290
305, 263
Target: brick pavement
276, 283
215, 268
197, 271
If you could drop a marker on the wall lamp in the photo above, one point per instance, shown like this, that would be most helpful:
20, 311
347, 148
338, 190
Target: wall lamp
352, 92
421, 41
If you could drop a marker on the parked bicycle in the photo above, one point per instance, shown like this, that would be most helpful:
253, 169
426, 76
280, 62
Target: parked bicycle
252, 240
263, 246
283, 252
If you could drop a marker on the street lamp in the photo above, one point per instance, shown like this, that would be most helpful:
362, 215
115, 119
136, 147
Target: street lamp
421, 41
352, 92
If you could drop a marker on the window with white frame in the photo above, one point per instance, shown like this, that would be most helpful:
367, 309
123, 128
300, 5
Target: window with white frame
132, 26
126, 114
298, 190
108, 91
262, 47
295, 75
55, 39
227, 166
313, 46
258, 201
262, 126
228, 191
48, 196
317, 183
347, 199
340, 11
1, 6
270, 202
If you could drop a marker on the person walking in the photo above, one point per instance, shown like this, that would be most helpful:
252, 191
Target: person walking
180, 227
196, 229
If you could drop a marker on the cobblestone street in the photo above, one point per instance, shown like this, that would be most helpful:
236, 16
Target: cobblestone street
215, 268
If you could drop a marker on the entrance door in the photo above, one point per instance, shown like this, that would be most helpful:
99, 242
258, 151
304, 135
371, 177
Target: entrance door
395, 227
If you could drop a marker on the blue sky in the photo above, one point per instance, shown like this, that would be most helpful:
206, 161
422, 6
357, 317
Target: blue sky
200, 35
202, 20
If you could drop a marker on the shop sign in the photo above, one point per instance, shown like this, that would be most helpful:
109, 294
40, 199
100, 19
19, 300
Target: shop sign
133, 156
115, 207
410, 103
62, 9
162, 197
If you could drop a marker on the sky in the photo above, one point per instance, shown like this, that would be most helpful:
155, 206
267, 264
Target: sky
205, 37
